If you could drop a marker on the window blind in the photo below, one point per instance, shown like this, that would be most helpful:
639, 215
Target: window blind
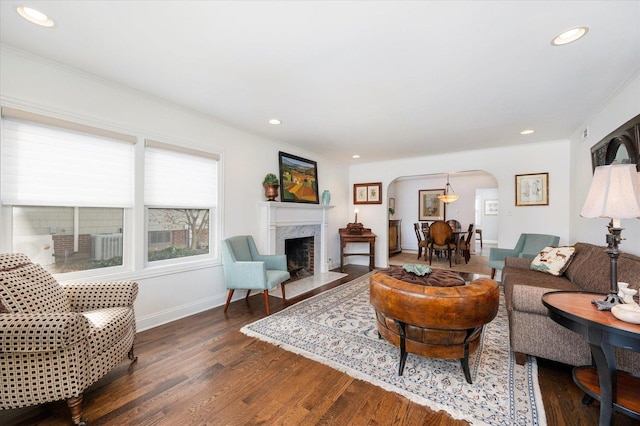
179, 177
44, 164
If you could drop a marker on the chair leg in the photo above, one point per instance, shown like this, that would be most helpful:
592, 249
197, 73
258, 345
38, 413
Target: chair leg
247, 296
430, 255
419, 252
131, 355
266, 301
284, 297
75, 406
228, 300
493, 273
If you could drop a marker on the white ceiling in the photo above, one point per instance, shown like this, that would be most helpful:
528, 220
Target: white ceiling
380, 79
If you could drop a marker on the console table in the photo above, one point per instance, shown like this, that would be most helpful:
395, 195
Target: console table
615, 390
366, 237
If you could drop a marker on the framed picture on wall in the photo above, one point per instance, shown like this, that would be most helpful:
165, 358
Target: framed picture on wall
298, 179
367, 193
532, 189
491, 207
429, 206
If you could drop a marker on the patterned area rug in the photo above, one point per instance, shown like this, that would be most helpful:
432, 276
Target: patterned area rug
337, 328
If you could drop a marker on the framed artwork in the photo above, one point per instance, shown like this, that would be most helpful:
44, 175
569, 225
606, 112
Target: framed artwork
429, 206
491, 207
367, 193
298, 179
532, 189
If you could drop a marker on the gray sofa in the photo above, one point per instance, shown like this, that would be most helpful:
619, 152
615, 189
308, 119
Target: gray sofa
533, 332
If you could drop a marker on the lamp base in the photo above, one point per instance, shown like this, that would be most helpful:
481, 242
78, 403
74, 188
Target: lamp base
608, 302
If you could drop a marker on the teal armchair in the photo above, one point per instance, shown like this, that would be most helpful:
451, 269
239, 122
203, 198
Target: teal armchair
528, 246
246, 269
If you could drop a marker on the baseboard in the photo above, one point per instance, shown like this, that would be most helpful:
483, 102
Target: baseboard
178, 312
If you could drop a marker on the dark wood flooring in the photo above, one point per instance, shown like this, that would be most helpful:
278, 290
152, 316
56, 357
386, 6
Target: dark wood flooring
202, 371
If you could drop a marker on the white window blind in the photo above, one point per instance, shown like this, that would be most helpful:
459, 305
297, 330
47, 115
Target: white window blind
49, 165
178, 177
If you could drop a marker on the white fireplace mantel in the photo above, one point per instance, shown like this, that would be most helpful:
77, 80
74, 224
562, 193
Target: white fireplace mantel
276, 215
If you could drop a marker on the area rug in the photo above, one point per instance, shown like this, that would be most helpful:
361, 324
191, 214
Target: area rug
477, 264
337, 328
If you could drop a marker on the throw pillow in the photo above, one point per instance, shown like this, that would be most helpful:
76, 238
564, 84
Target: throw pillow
553, 260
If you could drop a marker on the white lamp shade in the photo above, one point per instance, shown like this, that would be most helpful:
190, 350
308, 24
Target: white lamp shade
614, 193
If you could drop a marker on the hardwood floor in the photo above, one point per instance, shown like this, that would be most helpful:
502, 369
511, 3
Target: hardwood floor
202, 371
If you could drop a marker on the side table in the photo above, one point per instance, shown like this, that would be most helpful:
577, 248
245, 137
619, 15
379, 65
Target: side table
366, 237
615, 390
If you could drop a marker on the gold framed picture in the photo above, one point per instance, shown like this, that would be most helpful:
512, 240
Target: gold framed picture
532, 189
429, 206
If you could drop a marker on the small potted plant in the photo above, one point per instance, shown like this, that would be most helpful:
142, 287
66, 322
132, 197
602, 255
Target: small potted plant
271, 185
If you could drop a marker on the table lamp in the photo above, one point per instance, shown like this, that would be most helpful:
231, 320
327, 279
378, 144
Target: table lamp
355, 227
614, 194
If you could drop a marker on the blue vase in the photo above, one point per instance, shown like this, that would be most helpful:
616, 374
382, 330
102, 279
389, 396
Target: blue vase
326, 197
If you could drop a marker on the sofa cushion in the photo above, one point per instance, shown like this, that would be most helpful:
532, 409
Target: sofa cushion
30, 289
523, 288
590, 269
553, 260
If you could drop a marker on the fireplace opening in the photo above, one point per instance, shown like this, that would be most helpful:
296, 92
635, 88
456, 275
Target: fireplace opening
299, 252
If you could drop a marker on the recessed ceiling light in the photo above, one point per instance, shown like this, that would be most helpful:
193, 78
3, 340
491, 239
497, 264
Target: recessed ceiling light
526, 132
35, 16
570, 35
275, 121
355, 156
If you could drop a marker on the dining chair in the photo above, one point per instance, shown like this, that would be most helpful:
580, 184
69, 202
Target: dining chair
422, 243
455, 225
441, 238
464, 245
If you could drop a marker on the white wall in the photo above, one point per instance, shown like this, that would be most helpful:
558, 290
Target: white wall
621, 108
41, 86
552, 157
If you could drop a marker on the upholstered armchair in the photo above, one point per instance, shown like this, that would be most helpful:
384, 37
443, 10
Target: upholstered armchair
56, 340
528, 247
246, 269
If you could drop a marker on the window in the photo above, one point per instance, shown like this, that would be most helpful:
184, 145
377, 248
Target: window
67, 187
68, 239
180, 196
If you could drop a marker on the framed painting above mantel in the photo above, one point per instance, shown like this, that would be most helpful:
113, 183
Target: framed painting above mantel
298, 179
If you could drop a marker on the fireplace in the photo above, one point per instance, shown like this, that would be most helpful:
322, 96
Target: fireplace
300, 256
284, 221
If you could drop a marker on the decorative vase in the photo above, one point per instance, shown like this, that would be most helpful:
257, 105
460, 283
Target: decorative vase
271, 192
326, 197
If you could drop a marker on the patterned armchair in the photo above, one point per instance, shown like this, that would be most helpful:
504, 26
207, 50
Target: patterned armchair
56, 340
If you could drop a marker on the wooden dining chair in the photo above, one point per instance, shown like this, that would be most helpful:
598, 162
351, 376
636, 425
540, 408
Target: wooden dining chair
464, 245
422, 243
441, 238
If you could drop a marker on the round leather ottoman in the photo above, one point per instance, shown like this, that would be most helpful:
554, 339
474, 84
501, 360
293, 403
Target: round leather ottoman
436, 316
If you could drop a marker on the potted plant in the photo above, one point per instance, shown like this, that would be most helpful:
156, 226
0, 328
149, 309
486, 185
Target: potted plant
271, 185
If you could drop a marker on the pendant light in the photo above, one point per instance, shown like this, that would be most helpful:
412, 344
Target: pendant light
449, 195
